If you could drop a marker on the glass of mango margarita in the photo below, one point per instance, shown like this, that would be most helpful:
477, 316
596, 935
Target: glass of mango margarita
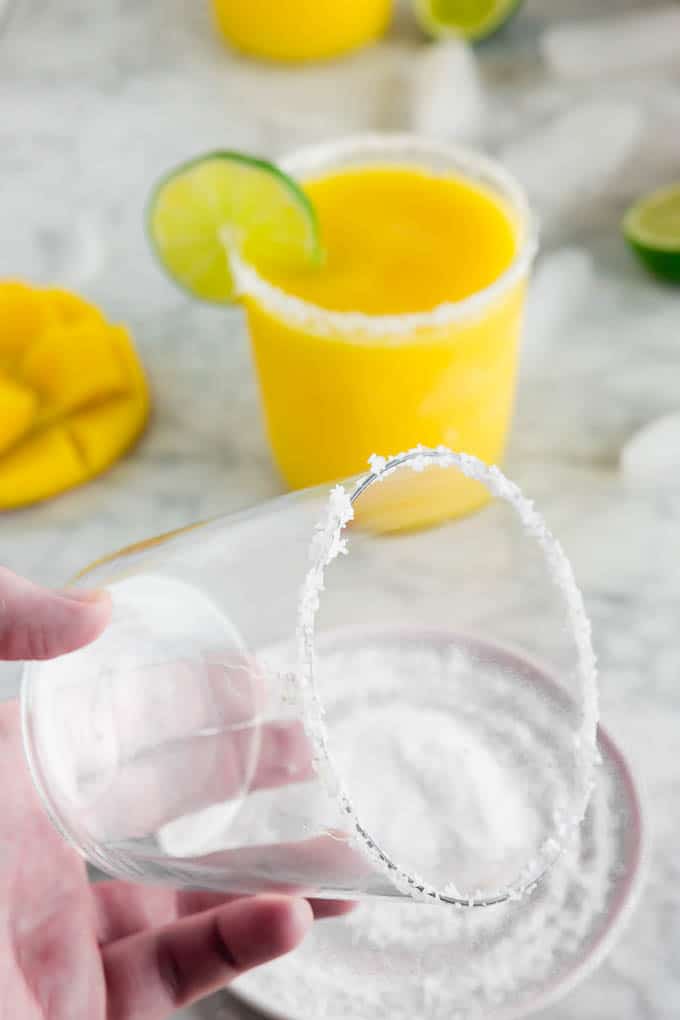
299, 30
408, 332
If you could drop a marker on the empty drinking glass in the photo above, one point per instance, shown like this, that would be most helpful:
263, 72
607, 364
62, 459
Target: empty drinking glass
247, 708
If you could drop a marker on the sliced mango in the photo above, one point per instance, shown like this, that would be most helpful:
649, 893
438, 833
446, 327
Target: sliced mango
18, 406
71, 366
73, 393
66, 308
42, 466
22, 319
129, 359
102, 433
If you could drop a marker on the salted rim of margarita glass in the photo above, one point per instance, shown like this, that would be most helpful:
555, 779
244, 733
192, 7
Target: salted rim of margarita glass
329, 541
400, 150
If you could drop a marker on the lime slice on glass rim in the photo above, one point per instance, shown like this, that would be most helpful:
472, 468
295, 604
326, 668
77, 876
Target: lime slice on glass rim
201, 208
652, 228
473, 20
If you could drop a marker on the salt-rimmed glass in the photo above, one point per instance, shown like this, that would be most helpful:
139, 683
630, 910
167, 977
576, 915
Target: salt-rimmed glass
200, 741
445, 375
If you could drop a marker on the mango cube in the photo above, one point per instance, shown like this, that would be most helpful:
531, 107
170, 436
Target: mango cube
73, 394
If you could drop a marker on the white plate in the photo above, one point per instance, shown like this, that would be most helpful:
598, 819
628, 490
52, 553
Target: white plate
361, 980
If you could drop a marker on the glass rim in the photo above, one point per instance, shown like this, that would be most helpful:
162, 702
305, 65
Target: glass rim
304, 161
328, 543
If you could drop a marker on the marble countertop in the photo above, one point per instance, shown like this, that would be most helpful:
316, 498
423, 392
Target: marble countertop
97, 99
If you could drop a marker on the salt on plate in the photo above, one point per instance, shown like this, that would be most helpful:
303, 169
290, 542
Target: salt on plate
393, 959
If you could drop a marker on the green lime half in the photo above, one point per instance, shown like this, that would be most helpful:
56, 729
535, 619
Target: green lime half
468, 19
197, 211
652, 228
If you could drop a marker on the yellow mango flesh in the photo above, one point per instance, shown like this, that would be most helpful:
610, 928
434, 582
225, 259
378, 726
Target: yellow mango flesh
18, 407
73, 395
293, 30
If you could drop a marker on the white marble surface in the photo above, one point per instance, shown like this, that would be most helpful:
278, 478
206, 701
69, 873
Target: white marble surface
97, 99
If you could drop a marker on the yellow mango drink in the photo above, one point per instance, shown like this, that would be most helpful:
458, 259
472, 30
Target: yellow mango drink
408, 331
299, 30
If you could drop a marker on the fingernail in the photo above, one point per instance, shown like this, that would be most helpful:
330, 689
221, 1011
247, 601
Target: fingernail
85, 594
301, 915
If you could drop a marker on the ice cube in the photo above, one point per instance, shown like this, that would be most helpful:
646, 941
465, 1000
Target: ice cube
574, 156
445, 97
558, 290
320, 101
614, 45
651, 457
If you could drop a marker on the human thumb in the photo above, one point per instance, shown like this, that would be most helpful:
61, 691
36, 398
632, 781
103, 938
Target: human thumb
36, 623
